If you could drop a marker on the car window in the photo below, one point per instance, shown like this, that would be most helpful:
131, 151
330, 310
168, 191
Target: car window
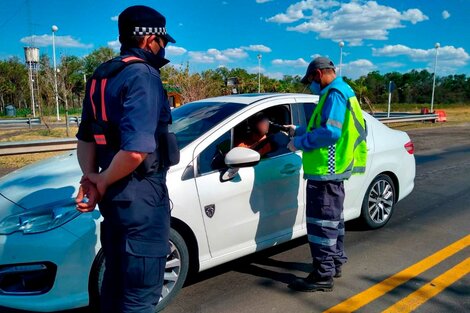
192, 120
275, 142
213, 157
308, 109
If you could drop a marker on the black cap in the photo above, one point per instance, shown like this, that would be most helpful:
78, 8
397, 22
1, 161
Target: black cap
141, 20
318, 63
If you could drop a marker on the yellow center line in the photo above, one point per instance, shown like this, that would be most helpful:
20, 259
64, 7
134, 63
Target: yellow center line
423, 294
363, 298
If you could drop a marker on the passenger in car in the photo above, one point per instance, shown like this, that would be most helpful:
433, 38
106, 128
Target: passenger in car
258, 138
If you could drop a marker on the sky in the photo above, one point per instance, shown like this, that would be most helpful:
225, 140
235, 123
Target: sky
382, 35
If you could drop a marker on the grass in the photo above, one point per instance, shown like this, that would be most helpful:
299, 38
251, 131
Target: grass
17, 161
11, 135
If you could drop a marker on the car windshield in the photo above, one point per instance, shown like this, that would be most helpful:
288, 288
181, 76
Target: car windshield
194, 119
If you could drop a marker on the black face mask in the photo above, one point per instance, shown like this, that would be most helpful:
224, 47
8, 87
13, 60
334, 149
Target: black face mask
161, 52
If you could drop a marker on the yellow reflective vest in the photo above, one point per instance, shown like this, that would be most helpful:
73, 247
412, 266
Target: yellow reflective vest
349, 154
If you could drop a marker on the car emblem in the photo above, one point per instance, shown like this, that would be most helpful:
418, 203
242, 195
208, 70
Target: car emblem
210, 210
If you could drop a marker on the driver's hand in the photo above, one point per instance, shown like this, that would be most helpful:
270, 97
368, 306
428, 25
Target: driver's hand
291, 145
291, 129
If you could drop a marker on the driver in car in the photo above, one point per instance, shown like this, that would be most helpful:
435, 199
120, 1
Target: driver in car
258, 139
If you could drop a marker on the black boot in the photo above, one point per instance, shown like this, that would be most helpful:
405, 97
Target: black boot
312, 283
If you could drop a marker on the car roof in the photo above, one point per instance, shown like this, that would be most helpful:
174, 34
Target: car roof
250, 98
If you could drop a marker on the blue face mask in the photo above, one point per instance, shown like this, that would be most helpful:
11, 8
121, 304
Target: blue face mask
315, 88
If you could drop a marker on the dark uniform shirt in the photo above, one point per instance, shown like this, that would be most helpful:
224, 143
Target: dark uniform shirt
134, 100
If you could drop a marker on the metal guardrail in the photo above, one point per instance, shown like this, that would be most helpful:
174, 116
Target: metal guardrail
20, 122
404, 117
14, 148
30, 122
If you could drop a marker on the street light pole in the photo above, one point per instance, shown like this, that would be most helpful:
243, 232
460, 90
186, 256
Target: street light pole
259, 72
437, 45
341, 45
54, 29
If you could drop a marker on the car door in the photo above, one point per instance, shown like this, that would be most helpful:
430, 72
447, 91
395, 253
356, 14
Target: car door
261, 205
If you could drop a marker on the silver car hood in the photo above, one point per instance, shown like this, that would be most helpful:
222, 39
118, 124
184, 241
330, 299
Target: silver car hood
54, 180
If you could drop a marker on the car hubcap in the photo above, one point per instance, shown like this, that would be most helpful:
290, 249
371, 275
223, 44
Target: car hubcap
172, 270
380, 201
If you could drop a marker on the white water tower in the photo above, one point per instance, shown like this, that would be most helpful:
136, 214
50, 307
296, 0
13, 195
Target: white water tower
31, 55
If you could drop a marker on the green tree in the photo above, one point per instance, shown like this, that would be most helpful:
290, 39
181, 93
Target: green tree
14, 83
97, 57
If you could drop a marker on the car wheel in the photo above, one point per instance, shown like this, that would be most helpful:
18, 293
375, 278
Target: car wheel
379, 202
176, 271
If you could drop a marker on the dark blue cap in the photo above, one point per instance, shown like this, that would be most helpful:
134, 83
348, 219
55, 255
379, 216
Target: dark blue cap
140, 20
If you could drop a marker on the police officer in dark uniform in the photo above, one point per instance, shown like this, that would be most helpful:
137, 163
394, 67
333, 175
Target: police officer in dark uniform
124, 151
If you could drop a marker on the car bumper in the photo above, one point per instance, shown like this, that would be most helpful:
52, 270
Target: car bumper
70, 255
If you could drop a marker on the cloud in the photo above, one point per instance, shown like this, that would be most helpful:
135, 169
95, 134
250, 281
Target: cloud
214, 55
115, 18
392, 64
263, 1
200, 57
300, 62
175, 50
447, 56
225, 56
60, 41
445, 14
254, 70
114, 44
258, 48
352, 22
275, 75
358, 68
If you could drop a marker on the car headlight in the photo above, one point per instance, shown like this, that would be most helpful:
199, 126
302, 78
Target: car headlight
39, 220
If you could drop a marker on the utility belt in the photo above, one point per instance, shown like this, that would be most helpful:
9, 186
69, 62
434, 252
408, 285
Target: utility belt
107, 135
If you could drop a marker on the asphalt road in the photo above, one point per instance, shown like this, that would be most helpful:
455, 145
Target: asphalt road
433, 217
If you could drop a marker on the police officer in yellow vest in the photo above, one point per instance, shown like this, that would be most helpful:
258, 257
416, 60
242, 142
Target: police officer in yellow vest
334, 148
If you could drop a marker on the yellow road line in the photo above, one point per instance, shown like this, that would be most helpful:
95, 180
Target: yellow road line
423, 294
361, 299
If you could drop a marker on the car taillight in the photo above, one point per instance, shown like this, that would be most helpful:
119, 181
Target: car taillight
410, 147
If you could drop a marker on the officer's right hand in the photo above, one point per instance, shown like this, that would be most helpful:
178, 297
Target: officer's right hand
291, 129
87, 197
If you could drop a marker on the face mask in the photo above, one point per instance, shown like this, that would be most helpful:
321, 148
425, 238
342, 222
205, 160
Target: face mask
315, 88
161, 53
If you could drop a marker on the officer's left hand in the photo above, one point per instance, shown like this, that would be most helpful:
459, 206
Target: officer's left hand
291, 145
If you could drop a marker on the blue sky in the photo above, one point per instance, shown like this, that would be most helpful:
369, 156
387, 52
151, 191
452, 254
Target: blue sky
378, 35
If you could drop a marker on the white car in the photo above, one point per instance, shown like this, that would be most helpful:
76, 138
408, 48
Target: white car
50, 254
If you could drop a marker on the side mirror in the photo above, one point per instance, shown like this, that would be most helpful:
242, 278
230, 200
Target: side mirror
240, 157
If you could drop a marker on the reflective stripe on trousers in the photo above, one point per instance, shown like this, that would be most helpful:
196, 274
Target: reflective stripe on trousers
325, 226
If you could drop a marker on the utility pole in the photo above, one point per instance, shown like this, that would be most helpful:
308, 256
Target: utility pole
437, 45
54, 29
259, 72
341, 45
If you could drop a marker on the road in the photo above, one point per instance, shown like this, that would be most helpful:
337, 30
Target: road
433, 217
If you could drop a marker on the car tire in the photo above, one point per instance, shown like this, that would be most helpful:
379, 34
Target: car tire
175, 273
379, 202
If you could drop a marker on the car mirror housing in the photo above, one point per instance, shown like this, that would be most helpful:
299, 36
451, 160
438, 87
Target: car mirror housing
240, 157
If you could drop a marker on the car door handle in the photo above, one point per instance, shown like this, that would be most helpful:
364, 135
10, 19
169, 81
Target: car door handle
289, 169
